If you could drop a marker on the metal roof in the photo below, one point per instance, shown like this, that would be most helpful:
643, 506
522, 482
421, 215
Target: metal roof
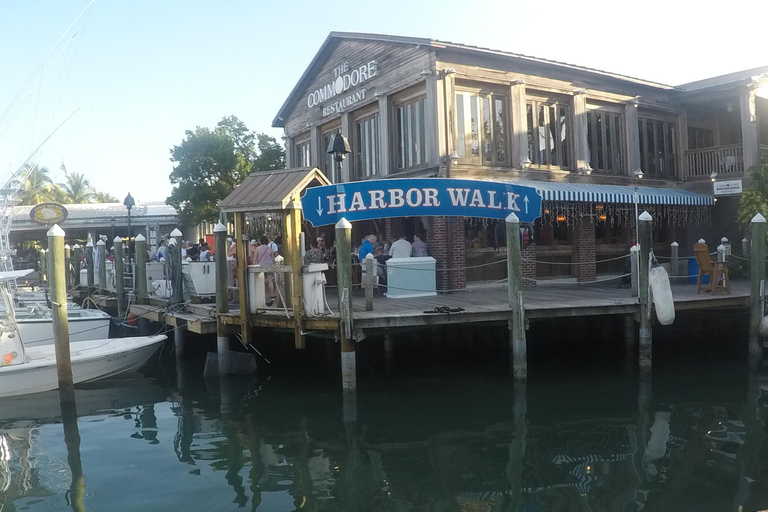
99, 214
558, 191
731, 79
271, 191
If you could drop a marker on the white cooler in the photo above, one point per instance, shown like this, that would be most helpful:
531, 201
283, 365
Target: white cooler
410, 277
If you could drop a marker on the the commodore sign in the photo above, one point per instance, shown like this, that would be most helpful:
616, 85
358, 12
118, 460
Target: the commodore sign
378, 199
344, 78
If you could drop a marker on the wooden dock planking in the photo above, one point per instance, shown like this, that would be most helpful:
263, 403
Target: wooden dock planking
194, 323
152, 313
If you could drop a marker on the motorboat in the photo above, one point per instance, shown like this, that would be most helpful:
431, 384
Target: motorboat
27, 370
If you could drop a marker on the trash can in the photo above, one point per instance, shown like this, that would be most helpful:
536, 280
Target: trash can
693, 272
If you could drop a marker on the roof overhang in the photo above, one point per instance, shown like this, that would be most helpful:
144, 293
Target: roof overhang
272, 191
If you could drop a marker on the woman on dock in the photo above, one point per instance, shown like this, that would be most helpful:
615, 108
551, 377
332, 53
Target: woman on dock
265, 257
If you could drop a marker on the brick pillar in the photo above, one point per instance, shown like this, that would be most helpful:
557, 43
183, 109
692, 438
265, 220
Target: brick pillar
528, 257
459, 250
388, 229
437, 240
586, 270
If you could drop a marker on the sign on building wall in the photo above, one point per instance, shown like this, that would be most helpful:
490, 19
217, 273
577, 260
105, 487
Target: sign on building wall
727, 187
48, 213
377, 199
336, 95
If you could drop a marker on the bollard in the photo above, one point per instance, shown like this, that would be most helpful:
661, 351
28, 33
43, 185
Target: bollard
67, 266
757, 278
745, 247
344, 279
516, 323
720, 253
174, 253
119, 270
280, 283
674, 248
633, 263
90, 276
77, 253
370, 278
102, 270
140, 269
646, 240
59, 314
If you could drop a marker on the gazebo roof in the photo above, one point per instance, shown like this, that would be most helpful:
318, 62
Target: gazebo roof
272, 191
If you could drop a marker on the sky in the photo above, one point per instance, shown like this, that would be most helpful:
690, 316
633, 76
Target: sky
128, 78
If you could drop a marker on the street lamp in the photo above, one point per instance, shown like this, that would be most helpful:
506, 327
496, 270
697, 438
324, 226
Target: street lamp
129, 202
339, 148
112, 221
639, 175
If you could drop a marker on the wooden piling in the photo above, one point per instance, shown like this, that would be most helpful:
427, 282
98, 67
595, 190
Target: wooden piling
757, 276
177, 284
674, 249
370, 278
516, 324
344, 279
643, 264
119, 268
68, 266
90, 271
222, 295
77, 253
140, 272
59, 313
242, 267
293, 255
633, 266
102, 270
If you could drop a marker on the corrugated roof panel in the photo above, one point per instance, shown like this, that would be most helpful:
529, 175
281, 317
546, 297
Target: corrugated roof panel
269, 190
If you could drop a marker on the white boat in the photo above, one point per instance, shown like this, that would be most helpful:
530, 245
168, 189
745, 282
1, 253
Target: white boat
33, 370
36, 325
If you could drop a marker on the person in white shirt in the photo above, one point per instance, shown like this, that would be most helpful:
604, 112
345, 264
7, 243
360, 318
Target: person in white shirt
401, 248
204, 252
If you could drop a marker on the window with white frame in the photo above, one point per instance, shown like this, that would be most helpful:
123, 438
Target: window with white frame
302, 154
409, 134
549, 133
481, 128
366, 147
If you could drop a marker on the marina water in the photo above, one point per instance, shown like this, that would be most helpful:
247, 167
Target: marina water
435, 425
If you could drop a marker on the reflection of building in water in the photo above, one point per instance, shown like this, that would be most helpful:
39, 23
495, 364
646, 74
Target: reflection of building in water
21, 473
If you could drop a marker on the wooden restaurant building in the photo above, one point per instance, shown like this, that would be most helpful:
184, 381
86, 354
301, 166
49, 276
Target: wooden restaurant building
583, 138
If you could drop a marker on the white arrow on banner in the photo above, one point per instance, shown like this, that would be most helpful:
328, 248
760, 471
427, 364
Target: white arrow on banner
525, 200
319, 206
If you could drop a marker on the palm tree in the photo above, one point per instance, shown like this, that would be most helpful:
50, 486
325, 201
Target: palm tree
104, 197
77, 189
38, 187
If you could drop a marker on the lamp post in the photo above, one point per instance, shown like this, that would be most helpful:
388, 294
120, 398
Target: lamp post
112, 221
339, 148
129, 202
639, 175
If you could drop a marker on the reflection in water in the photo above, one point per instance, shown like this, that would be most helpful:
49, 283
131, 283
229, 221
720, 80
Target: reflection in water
462, 438
72, 441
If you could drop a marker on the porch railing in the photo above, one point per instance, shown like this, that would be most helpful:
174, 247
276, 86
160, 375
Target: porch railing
722, 160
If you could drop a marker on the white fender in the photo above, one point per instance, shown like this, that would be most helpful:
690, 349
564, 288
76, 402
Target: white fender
764, 326
663, 302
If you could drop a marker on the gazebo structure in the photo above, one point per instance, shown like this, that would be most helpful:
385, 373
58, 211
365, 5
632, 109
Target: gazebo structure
272, 195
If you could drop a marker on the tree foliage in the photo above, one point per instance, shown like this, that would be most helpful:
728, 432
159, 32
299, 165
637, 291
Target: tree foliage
209, 164
77, 189
754, 200
40, 188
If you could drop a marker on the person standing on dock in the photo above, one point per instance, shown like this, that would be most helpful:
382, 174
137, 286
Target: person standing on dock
401, 248
265, 257
252, 246
419, 248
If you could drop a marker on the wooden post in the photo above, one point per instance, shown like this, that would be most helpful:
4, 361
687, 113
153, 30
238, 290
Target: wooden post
67, 265
42, 265
140, 272
222, 295
757, 274
91, 274
344, 279
646, 239
77, 253
293, 255
177, 283
633, 264
242, 267
59, 314
102, 270
370, 278
674, 251
516, 324
119, 269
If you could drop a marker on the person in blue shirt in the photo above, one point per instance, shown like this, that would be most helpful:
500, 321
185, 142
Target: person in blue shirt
367, 247
161, 251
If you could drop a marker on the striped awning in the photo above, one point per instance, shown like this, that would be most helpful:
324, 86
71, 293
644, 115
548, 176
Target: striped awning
579, 192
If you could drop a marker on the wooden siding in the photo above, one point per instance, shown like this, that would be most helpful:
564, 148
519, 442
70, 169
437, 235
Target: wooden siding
398, 66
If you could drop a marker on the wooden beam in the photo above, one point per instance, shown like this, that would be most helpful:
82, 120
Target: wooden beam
245, 331
293, 218
519, 120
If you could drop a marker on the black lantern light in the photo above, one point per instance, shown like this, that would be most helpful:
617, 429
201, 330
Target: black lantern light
339, 148
129, 202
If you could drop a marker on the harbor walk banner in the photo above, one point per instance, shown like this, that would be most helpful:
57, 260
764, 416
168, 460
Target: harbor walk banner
378, 199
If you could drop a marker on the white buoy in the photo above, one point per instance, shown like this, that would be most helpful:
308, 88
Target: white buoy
663, 302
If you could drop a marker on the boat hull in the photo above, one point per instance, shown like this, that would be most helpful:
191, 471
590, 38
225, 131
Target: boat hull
91, 360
